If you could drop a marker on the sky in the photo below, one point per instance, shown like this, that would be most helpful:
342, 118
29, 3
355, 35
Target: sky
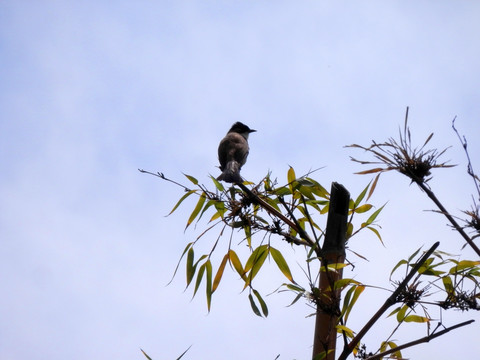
91, 91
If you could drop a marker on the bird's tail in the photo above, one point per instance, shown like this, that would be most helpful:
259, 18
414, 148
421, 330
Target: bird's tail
231, 173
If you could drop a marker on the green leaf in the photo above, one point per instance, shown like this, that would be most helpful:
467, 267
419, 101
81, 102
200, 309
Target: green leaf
206, 207
144, 353
356, 294
200, 273
218, 184
400, 263
414, 254
255, 262
184, 353
376, 232
360, 197
192, 179
181, 200
248, 234
197, 209
254, 306
219, 274
281, 263
263, 305
220, 206
372, 217
209, 284
180, 260
299, 295
190, 268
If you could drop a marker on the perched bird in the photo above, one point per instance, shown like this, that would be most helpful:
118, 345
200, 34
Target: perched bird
233, 152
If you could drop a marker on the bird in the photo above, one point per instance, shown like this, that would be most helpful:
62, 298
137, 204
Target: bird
233, 151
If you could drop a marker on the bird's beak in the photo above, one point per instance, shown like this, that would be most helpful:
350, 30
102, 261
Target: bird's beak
252, 130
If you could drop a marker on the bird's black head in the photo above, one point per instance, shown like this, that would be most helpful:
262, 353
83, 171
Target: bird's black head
241, 128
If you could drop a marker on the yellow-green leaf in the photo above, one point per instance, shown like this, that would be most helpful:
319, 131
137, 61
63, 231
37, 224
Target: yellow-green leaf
281, 263
192, 179
464, 264
363, 208
235, 261
341, 329
416, 318
197, 209
291, 175
401, 313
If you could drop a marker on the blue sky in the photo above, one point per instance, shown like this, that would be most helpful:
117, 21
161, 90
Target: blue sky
91, 91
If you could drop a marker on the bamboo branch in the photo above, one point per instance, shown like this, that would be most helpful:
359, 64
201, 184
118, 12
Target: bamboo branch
419, 341
389, 302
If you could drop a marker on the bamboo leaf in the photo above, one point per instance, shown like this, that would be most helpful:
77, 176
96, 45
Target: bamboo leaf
371, 171
299, 295
363, 208
345, 330
218, 184
376, 232
184, 353
357, 291
374, 185
209, 284
448, 284
181, 200
190, 268
181, 257
401, 313
372, 217
254, 306
281, 263
235, 261
361, 196
192, 179
464, 264
197, 209
263, 305
291, 175
400, 263
416, 318
219, 274
255, 262
200, 273
144, 353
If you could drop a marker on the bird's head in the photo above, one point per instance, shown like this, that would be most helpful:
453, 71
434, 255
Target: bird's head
241, 129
